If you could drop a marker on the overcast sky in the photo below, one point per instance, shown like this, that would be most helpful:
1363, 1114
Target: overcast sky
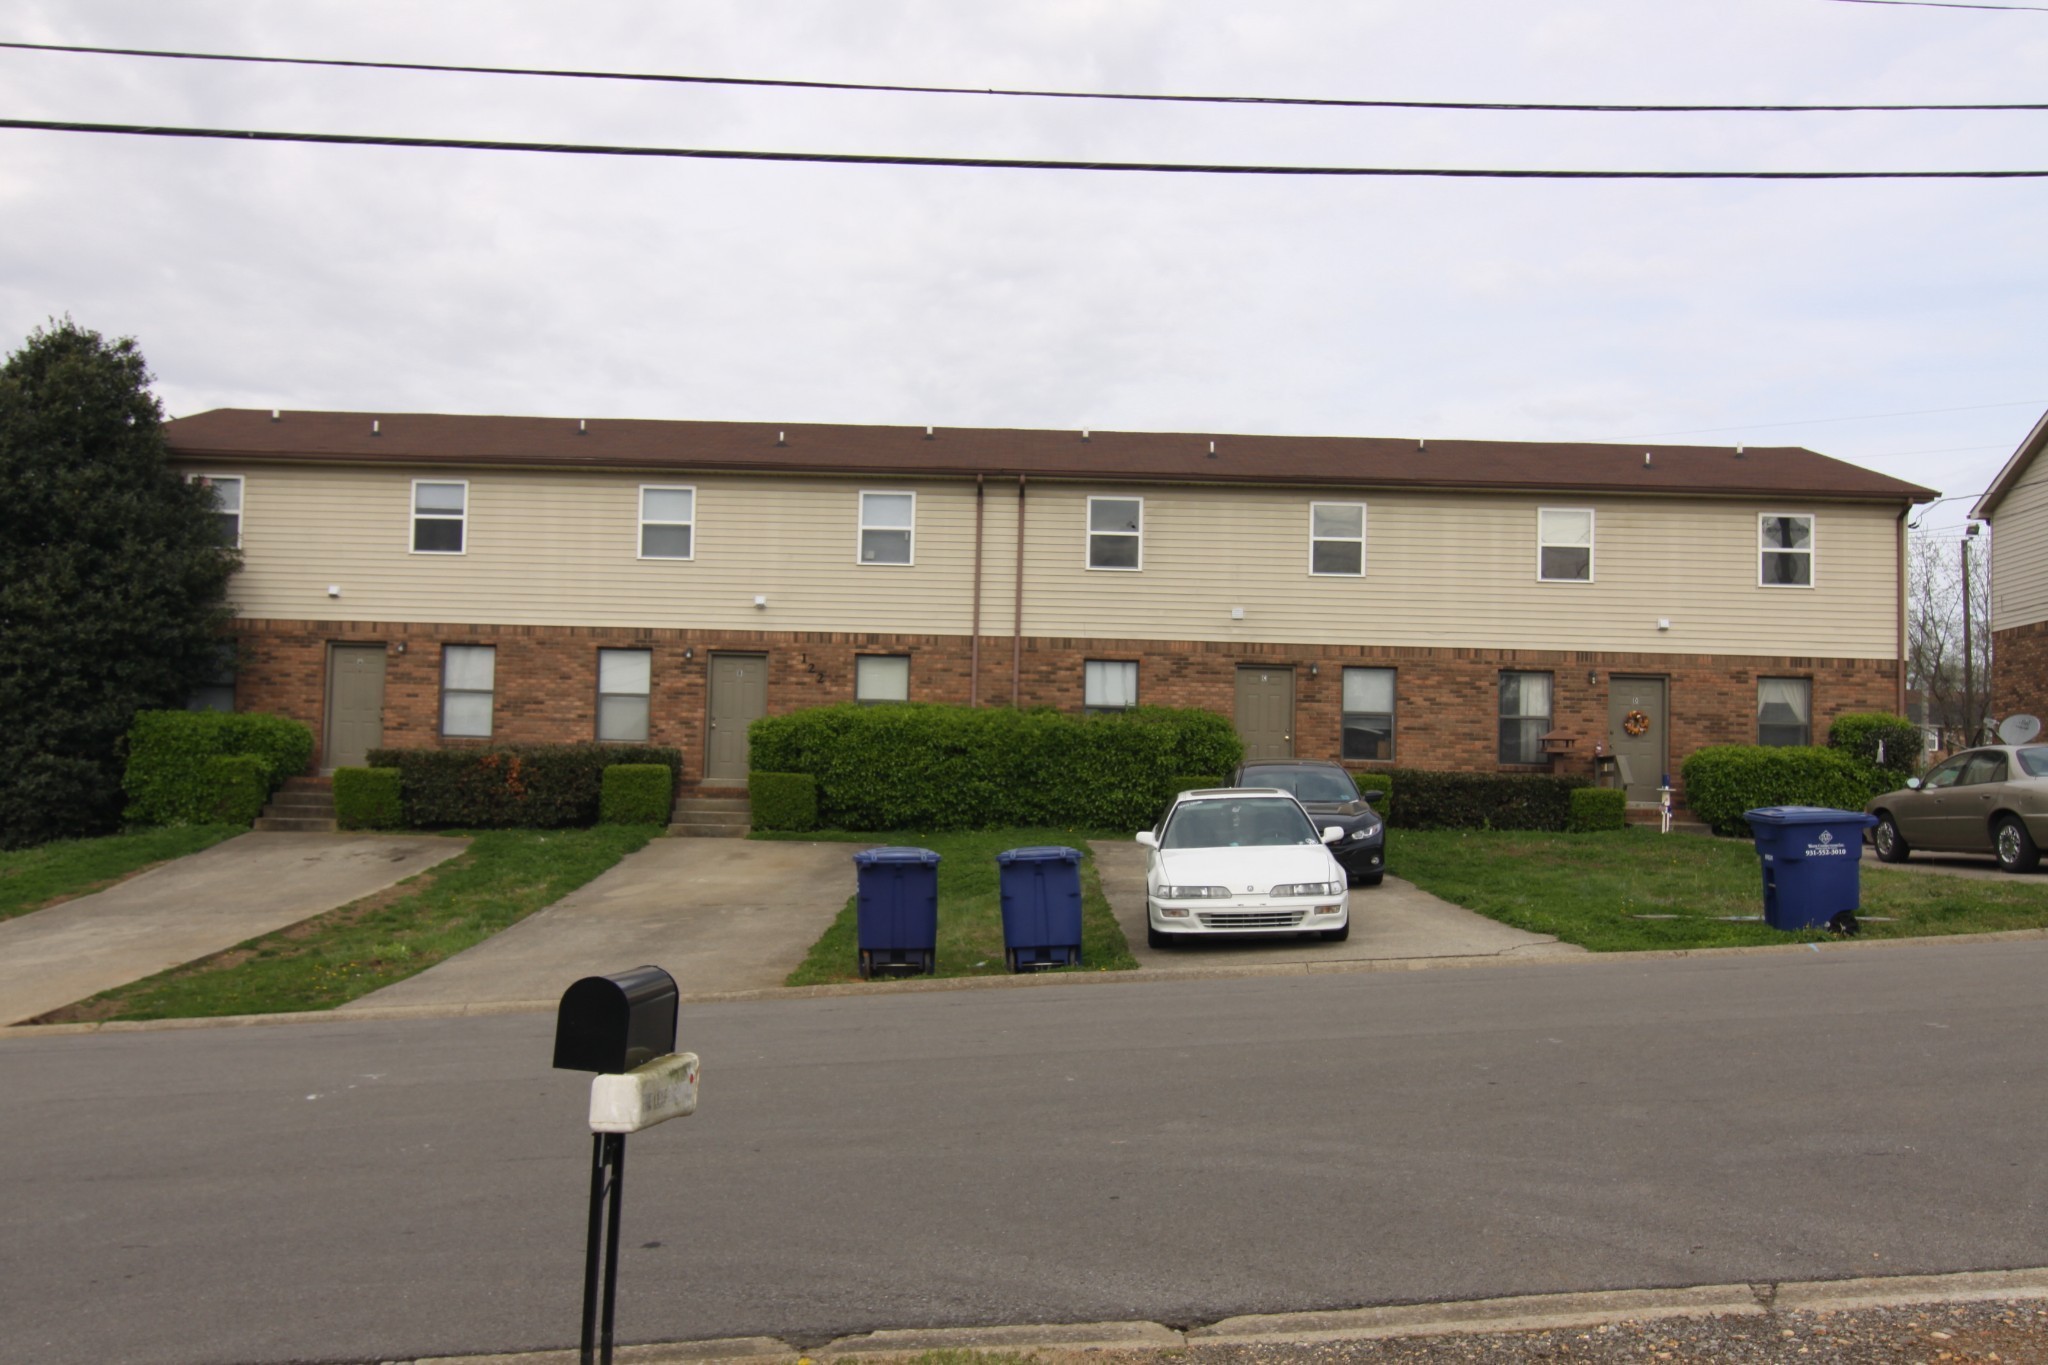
385, 280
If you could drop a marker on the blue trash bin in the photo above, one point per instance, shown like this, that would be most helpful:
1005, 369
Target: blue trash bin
1811, 856
1041, 890
897, 910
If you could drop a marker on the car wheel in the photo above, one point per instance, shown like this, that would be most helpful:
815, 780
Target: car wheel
2016, 851
1891, 845
1338, 934
1155, 938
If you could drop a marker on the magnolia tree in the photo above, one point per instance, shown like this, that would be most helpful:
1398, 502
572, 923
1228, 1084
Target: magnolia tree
113, 579
1956, 699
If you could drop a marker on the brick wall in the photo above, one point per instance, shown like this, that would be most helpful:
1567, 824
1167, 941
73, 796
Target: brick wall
1446, 705
2019, 681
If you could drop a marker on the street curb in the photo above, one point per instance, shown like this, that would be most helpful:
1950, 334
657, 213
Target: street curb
1546, 955
1526, 1313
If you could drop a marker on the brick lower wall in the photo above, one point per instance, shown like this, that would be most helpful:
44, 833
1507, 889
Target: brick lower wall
2019, 678
1447, 700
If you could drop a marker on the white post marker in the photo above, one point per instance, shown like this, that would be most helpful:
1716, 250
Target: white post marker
1664, 794
653, 1092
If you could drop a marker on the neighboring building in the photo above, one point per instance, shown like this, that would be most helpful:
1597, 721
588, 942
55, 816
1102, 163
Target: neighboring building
2016, 505
419, 580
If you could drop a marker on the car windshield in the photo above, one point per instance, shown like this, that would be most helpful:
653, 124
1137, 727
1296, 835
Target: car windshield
1254, 822
1307, 784
2035, 760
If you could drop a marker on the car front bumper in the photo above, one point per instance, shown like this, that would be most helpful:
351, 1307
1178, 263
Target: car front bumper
1247, 915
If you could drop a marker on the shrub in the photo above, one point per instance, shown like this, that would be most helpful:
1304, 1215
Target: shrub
513, 786
1862, 734
168, 780
1724, 780
368, 798
636, 794
1375, 780
1185, 783
783, 801
237, 786
930, 766
1598, 808
1444, 800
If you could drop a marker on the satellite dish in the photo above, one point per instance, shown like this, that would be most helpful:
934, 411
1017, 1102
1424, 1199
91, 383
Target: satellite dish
2019, 729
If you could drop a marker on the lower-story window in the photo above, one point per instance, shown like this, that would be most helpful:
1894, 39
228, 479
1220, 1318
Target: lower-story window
1524, 716
1369, 713
881, 677
1784, 711
1109, 685
625, 678
468, 676
217, 693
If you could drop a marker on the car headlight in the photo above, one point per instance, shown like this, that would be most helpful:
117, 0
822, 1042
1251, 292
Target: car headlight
1362, 833
1193, 893
1310, 889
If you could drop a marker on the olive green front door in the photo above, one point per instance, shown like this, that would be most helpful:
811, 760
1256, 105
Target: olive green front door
739, 697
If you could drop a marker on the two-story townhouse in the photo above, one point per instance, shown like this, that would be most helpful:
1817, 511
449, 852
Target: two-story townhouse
2016, 506
429, 580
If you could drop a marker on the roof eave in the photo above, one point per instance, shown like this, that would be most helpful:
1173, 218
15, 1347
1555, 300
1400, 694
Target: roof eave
2015, 469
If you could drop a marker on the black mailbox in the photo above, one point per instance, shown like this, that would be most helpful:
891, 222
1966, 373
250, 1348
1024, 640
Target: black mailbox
611, 1024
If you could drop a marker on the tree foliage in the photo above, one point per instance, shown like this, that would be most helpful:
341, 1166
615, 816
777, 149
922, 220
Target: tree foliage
1954, 699
113, 579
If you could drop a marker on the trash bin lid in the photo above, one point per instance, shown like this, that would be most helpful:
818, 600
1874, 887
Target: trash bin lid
1806, 815
877, 857
1042, 853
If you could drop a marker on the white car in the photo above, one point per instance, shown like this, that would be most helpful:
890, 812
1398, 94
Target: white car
1241, 860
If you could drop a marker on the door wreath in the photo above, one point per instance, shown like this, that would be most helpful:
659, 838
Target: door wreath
1636, 724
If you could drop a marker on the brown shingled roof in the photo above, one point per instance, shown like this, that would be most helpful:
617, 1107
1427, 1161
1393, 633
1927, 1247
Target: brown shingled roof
1123, 456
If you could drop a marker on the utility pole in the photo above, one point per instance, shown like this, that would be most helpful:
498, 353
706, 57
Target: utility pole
1969, 675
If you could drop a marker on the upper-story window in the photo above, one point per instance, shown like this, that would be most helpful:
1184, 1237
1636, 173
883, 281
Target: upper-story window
888, 523
1785, 550
668, 522
1116, 533
1336, 538
880, 678
227, 505
1564, 544
625, 681
439, 512
1109, 685
468, 681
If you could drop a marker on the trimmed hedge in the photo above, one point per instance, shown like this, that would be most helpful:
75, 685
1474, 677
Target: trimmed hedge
512, 786
1724, 780
239, 785
368, 798
1598, 808
168, 780
1861, 734
783, 801
1445, 800
925, 765
1377, 780
1185, 783
636, 794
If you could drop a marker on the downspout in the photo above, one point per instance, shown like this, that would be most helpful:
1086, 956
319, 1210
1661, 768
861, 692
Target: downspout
974, 649
1904, 512
1017, 639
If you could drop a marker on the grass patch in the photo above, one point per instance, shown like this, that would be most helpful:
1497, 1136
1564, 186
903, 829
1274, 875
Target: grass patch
1588, 889
504, 876
970, 907
32, 878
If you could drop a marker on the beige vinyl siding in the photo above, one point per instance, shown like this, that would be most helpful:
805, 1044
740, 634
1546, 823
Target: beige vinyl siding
1441, 569
2019, 552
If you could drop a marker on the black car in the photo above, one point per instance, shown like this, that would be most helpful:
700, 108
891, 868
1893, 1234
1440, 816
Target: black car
1332, 799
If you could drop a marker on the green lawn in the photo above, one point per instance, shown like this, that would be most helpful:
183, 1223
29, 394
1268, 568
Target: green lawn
504, 876
970, 907
1593, 889
32, 878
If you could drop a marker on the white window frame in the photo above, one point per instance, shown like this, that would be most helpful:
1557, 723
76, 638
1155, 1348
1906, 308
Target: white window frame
1590, 547
640, 546
1806, 683
647, 730
861, 537
491, 715
241, 484
1392, 713
1812, 550
1314, 540
1092, 708
1090, 533
413, 522
1549, 716
860, 659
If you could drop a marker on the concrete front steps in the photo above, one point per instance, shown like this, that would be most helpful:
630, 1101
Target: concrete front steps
302, 804
711, 813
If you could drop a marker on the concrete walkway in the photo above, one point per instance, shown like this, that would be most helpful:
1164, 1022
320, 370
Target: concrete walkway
1391, 921
188, 909
719, 914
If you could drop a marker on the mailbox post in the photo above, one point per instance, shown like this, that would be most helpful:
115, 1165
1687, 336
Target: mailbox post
623, 1027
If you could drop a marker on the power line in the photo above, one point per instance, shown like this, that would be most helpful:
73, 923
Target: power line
975, 162
1940, 4
1020, 93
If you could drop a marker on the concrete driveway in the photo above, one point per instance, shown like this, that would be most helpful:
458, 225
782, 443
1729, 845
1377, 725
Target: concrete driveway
1393, 921
252, 884
719, 914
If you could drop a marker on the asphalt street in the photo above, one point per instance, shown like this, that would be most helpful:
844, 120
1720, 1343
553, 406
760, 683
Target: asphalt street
1179, 1151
